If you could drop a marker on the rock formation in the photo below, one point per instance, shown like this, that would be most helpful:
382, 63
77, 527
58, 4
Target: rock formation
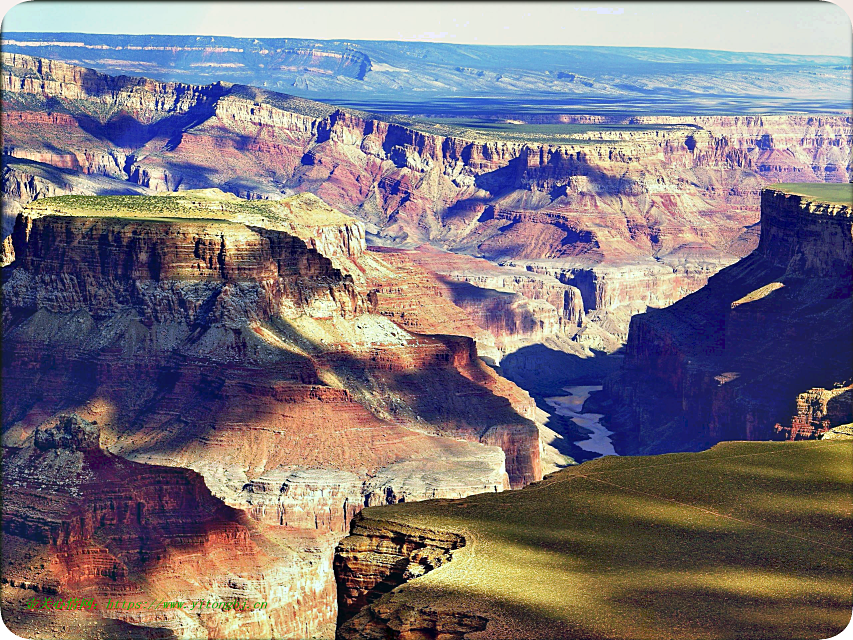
631, 217
766, 339
245, 340
80, 522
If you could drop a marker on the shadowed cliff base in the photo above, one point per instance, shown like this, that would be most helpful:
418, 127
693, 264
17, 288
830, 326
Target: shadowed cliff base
763, 351
545, 372
743, 540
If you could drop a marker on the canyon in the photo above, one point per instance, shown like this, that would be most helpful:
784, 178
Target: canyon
268, 316
762, 351
632, 212
248, 344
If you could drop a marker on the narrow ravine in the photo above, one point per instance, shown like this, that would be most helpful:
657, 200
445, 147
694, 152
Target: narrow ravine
571, 406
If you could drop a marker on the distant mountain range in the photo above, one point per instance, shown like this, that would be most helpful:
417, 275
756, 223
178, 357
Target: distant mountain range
449, 79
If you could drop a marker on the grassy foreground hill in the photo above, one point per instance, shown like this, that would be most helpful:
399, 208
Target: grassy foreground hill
745, 540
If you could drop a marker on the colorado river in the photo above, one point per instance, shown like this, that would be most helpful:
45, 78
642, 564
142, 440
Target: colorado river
571, 406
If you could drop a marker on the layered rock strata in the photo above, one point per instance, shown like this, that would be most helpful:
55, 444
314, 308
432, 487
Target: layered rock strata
83, 523
738, 357
243, 340
373, 560
633, 218
515, 307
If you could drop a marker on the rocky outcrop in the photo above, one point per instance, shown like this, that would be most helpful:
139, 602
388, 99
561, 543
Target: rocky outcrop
818, 412
105, 528
372, 561
242, 340
632, 217
736, 359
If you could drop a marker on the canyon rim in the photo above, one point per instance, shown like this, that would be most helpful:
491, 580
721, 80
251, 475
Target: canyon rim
342, 334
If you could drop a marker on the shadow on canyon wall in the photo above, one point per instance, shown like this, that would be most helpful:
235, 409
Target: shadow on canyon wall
545, 372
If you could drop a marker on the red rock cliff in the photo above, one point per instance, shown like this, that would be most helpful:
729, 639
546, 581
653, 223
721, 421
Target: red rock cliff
730, 361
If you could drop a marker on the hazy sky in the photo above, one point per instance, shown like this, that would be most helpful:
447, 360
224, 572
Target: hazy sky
811, 27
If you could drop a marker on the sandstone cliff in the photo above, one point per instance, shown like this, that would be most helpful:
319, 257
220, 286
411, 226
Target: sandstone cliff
738, 357
81, 522
632, 217
244, 340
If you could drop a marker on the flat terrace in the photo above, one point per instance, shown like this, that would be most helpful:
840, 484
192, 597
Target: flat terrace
829, 193
202, 205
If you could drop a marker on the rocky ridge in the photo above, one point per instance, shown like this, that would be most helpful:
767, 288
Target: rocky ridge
81, 522
243, 340
764, 340
632, 218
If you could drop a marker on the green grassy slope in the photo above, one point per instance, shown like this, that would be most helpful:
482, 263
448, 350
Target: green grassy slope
746, 540
205, 205
835, 193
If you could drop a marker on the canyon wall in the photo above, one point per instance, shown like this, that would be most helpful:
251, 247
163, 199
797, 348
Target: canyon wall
249, 342
80, 522
734, 360
632, 217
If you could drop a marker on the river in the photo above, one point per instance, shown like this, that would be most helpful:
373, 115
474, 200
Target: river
571, 406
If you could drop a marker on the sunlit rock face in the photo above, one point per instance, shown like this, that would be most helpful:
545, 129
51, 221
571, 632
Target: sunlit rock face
763, 351
246, 341
81, 522
632, 217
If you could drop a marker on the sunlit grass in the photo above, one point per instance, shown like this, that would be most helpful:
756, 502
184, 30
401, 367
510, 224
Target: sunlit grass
745, 540
836, 193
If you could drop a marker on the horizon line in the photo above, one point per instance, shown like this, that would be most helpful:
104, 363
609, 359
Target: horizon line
4, 32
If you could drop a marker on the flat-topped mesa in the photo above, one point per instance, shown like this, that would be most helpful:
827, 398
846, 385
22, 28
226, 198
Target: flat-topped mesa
734, 359
201, 296
100, 253
806, 228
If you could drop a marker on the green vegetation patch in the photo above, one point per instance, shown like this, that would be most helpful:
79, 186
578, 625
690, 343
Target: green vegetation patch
745, 540
831, 193
303, 210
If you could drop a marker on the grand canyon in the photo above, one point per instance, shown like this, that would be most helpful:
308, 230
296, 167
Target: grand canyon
274, 330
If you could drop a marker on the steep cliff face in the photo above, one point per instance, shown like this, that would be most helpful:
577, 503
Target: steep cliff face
633, 213
373, 560
245, 296
80, 522
243, 340
731, 360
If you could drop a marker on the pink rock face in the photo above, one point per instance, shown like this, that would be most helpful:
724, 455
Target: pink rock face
736, 359
684, 186
633, 218
266, 363
106, 528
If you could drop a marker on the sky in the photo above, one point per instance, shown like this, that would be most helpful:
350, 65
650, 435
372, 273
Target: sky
812, 27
